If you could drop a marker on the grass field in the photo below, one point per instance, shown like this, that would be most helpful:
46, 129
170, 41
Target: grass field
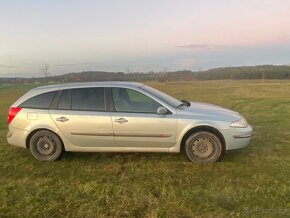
254, 181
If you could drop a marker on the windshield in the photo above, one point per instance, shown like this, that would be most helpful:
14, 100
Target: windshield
162, 96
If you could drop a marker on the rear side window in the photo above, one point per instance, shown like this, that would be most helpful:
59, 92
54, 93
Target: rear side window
42, 101
65, 100
90, 99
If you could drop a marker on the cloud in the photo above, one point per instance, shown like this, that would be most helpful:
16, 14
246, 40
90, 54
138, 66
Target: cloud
64, 65
77, 64
194, 46
7, 66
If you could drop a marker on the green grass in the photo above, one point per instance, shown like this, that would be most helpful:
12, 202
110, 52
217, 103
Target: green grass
254, 181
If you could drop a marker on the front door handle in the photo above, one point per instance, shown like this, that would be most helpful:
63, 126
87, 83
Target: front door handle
62, 119
121, 120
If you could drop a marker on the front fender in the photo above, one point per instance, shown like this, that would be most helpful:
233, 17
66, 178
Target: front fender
185, 127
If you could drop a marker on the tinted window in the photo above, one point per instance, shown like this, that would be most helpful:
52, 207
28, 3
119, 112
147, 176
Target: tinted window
92, 99
127, 100
65, 100
41, 101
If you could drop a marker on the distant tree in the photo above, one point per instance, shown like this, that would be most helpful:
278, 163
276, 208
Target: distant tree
45, 71
263, 75
165, 70
161, 78
189, 77
128, 70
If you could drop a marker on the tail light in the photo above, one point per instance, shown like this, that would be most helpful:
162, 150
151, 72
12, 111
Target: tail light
13, 111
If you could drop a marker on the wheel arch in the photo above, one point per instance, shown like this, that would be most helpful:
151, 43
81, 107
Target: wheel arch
205, 128
28, 138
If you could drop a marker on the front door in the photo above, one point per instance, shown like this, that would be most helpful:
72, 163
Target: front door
82, 117
136, 123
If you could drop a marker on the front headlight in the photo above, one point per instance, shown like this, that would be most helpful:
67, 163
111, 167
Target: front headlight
241, 123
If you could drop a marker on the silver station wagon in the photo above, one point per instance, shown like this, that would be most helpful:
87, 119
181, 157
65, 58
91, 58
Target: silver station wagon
121, 117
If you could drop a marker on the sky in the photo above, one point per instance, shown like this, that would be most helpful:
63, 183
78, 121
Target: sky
141, 36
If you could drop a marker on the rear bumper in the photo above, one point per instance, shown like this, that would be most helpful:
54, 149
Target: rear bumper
17, 136
237, 137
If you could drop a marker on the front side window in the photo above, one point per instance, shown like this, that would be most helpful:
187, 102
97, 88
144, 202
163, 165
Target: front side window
162, 96
128, 100
42, 101
90, 99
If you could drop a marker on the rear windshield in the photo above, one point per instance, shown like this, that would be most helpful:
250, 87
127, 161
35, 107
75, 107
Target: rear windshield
42, 101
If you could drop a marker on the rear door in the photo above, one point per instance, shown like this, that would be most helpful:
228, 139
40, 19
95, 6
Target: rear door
81, 115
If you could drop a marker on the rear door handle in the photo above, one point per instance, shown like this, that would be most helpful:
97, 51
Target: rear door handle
121, 120
62, 119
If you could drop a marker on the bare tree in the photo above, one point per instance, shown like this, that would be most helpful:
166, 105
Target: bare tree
128, 70
165, 70
263, 76
163, 75
45, 70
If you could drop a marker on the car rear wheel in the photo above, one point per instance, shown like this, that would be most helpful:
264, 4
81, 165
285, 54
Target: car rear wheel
203, 147
45, 145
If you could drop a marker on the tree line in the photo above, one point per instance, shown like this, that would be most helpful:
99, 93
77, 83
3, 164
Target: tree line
224, 73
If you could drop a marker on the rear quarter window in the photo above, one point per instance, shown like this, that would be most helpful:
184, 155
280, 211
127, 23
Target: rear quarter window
42, 101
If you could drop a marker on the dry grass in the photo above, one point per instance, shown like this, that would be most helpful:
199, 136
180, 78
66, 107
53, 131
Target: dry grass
254, 181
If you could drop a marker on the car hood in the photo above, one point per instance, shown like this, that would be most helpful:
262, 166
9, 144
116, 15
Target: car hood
206, 109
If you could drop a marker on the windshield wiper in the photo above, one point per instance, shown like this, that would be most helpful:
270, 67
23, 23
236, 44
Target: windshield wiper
184, 103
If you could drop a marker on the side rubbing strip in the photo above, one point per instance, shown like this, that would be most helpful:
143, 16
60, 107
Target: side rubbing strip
144, 135
92, 134
124, 135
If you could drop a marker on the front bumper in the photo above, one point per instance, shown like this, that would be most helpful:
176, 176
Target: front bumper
237, 137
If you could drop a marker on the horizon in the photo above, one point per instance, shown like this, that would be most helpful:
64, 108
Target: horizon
27, 76
129, 36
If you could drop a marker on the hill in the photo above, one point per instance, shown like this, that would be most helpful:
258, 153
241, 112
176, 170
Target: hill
222, 73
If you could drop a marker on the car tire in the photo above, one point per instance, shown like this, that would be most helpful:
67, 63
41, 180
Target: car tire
203, 147
45, 146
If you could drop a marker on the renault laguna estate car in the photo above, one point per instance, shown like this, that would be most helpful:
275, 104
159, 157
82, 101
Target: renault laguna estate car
121, 117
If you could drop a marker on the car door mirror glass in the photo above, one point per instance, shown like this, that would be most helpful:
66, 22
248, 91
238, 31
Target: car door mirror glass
162, 110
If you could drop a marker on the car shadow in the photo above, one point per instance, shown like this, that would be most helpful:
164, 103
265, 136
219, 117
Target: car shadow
121, 156
233, 155
229, 156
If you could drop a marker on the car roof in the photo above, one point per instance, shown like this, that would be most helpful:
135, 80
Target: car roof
61, 86
88, 84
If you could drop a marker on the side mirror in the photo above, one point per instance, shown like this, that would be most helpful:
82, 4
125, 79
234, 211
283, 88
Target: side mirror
162, 111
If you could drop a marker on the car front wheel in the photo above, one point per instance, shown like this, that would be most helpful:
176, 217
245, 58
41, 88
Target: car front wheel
203, 147
46, 146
